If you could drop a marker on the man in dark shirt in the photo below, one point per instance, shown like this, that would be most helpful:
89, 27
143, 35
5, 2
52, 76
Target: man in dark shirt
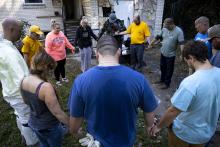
112, 25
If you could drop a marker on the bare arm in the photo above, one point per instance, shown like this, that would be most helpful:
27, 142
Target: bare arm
149, 120
155, 41
93, 35
181, 48
69, 45
168, 117
166, 120
52, 103
26, 59
75, 124
122, 33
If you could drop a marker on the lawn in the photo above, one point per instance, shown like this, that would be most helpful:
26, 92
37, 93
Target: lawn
10, 137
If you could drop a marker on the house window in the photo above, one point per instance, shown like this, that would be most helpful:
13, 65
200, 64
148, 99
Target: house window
33, 1
34, 4
106, 11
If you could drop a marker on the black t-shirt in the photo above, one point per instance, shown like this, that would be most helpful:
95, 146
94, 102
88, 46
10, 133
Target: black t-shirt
83, 37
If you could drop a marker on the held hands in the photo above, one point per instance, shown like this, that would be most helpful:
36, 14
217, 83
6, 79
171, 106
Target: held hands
73, 50
117, 33
154, 131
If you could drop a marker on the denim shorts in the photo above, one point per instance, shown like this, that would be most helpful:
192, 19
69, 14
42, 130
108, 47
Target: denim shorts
51, 137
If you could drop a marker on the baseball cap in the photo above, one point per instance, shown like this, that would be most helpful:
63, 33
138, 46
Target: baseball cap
214, 31
35, 29
112, 18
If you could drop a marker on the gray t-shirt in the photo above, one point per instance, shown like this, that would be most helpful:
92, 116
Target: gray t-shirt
170, 41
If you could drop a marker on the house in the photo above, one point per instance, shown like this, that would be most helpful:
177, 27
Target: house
69, 12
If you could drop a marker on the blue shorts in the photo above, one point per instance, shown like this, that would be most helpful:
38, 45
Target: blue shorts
51, 137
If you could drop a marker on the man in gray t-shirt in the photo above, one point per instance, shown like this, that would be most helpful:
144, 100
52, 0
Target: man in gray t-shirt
171, 35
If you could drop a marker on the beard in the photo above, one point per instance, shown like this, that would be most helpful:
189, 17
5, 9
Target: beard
137, 23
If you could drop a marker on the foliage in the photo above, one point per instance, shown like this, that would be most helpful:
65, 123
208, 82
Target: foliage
185, 12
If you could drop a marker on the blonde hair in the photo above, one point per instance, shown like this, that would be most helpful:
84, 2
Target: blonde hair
83, 20
53, 23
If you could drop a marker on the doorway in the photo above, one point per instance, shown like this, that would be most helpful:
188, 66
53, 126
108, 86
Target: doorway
72, 9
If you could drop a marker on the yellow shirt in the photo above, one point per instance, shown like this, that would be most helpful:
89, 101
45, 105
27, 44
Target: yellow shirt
30, 47
138, 32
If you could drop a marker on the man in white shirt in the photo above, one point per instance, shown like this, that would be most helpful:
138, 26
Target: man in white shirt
12, 70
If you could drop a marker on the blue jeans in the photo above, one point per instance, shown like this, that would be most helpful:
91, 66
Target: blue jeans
85, 54
137, 54
50, 137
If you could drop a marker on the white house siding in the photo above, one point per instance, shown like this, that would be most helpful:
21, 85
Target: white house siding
93, 11
159, 16
34, 14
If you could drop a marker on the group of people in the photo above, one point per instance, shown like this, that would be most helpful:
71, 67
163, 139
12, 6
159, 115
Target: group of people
25, 83
55, 45
108, 96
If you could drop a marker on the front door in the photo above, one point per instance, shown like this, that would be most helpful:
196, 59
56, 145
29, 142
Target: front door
72, 9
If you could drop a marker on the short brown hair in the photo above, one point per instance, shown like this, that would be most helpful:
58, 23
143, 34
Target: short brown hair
41, 64
197, 49
107, 45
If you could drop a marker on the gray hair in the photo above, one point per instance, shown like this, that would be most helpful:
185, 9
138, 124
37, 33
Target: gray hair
203, 20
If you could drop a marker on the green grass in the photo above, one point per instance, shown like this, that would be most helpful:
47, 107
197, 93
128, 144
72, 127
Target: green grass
10, 136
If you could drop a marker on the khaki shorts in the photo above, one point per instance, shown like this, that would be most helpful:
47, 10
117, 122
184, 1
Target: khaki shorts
174, 141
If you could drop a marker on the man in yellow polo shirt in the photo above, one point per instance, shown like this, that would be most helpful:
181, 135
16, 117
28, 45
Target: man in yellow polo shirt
139, 31
31, 45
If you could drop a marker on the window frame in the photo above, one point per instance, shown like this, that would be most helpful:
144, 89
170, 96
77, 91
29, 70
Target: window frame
34, 3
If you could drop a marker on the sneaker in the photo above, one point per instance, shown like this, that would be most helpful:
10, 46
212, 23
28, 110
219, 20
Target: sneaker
65, 80
58, 83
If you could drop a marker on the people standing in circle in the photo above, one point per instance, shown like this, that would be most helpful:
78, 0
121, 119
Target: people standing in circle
55, 45
84, 41
46, 114
31, 44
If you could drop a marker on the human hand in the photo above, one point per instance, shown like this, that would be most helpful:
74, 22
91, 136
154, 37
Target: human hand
154, 131
117, 33
73, 50
150, 46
